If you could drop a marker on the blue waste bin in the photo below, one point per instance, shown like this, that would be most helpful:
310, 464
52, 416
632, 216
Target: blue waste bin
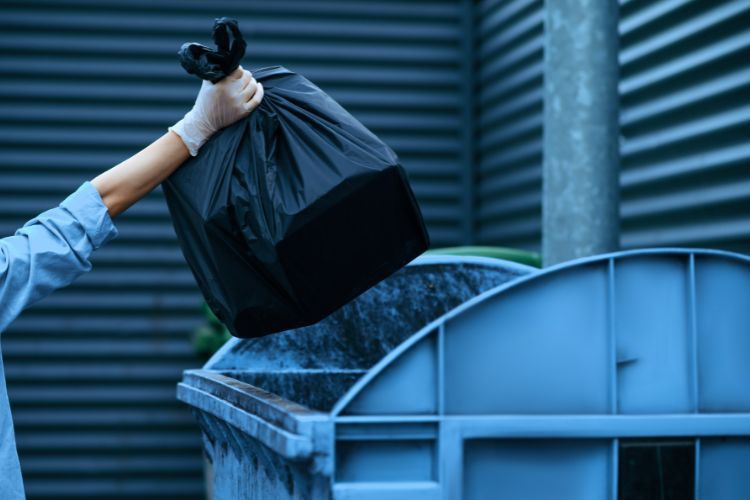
618, 376
265, 404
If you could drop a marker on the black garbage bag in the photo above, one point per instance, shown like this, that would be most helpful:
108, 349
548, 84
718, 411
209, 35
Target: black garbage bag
288, 214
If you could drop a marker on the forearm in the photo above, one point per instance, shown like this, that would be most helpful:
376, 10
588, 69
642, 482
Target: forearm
217, 106
124, 184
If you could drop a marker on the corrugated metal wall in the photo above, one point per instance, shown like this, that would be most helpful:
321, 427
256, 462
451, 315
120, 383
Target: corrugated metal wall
509, 122
685, 97
86, 83
686, 123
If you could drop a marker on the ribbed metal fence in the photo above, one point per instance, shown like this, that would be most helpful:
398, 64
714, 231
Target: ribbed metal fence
83, 85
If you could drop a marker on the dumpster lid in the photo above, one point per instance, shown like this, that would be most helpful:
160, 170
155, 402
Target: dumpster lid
315, 365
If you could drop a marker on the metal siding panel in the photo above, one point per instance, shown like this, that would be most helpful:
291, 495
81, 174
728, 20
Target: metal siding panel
468, 98
685, 95
509, 129
685, 113
83, 85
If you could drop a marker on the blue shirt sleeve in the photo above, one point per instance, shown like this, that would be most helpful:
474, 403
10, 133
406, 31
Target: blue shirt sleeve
51, 251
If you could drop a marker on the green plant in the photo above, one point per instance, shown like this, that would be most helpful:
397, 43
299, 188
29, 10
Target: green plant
521, 256
207, 339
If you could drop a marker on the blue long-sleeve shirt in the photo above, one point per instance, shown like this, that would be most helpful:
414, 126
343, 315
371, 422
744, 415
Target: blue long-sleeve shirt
47, 253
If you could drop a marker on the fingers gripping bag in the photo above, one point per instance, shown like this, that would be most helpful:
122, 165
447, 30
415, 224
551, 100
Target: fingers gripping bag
290, 213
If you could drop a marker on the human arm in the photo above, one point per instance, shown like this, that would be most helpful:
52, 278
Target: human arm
131, 180
217, 106
53, 249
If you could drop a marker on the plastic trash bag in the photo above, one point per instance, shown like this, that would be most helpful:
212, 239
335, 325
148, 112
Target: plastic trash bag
288, 214
215, 64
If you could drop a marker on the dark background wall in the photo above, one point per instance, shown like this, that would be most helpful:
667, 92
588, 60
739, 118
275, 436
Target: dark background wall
453, 86
86, 83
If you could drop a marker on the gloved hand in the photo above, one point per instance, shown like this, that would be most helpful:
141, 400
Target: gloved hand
217, 106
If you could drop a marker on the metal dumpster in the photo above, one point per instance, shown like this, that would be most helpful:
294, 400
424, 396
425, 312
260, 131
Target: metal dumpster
267, 406
619, 376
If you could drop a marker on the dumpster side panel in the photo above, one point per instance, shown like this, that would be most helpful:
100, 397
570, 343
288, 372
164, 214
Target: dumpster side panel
243, 468
563, 470
723, 468
723, 343
653, 345
538, 350
408, 387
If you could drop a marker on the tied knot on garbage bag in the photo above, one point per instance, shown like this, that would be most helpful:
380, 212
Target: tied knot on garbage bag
215, 64
292, 212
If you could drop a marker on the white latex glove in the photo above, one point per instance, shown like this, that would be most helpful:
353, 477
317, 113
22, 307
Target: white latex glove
217, 106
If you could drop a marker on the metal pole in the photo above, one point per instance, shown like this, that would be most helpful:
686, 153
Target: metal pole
581, 129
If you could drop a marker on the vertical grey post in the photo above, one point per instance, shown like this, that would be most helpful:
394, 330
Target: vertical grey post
581, 129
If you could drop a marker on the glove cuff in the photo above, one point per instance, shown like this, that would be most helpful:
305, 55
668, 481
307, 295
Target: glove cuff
192, 135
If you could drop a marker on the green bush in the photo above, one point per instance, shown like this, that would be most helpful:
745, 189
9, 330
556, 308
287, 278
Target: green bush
208, 338
521, 256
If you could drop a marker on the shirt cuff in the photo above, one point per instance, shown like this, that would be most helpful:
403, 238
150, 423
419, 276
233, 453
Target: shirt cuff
87, 207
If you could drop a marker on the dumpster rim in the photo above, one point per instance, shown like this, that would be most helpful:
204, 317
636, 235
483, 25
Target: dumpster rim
295, 446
